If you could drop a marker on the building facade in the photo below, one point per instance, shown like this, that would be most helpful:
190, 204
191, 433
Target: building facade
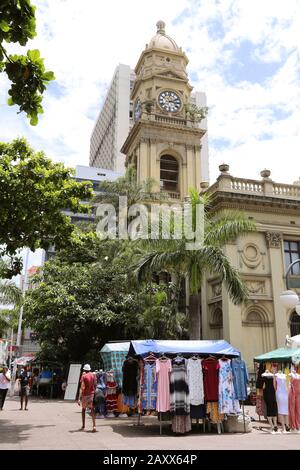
262, 258
113, 123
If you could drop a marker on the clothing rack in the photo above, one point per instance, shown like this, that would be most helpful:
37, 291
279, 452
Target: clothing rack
172, 355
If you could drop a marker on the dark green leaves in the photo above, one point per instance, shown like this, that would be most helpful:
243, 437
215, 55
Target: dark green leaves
26, 73
33, 193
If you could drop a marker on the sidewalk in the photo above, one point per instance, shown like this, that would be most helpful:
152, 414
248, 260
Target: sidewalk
55, 425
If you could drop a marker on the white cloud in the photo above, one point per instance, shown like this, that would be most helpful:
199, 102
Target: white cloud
83, 42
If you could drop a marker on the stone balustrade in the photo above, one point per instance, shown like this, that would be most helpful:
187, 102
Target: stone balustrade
266, 186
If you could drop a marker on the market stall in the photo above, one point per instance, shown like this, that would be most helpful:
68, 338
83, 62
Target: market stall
113, 356
185, 380
278, 388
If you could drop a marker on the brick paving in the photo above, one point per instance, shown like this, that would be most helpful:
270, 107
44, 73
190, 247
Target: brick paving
55, 425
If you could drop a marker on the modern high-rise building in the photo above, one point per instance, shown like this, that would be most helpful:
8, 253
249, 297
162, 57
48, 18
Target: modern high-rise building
113, 123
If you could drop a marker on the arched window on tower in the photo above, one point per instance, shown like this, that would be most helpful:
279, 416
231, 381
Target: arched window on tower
295, 324
169, 173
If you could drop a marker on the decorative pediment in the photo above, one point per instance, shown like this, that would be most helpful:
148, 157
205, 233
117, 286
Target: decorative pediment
171, 74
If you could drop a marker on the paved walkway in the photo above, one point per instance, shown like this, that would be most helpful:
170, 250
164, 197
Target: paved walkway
54, 425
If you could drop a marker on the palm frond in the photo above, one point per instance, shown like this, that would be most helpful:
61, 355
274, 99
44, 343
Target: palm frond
157, 261
212, 259
228, 226
10, 293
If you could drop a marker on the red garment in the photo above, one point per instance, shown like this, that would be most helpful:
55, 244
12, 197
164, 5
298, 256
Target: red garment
210, 368
111, 398
89, 383
294, 403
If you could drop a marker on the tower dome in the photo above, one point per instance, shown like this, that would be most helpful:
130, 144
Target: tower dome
161, 40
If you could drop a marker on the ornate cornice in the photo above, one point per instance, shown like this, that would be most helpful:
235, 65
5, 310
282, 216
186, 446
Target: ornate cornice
255, 203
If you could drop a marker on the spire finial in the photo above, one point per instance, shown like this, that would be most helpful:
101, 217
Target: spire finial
161, 27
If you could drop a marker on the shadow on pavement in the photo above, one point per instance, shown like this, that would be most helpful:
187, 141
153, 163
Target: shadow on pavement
12, 433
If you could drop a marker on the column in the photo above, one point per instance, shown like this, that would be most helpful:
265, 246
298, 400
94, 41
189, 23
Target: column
274, 243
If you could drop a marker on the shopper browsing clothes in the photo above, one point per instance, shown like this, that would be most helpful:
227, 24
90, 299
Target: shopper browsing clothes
86, 395
4, 385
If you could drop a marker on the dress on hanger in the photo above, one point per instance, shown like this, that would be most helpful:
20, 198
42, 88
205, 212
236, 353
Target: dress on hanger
195, 381
294, 401
282, 394
210, 368
227, 402
270, 396
149, 387
179, 397
130, 371
163, 370
240, 378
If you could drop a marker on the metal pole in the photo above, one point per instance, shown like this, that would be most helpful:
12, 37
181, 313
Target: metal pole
19, 334
289, 271
11, 345
244, 417
24, 288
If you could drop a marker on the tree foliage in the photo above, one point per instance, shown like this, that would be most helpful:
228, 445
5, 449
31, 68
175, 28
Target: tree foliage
26, 73
33, 193
87, 295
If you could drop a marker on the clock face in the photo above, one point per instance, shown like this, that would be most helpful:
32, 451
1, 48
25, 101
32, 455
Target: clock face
137, 110
169, 101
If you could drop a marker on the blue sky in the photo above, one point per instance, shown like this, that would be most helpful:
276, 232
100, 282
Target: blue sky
243, 54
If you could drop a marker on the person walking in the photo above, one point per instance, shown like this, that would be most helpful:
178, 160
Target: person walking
24, 378
86, 395
5, 379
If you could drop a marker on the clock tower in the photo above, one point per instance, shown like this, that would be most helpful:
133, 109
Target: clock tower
165, 141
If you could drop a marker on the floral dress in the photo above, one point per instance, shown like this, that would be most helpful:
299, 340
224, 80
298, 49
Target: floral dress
227, 402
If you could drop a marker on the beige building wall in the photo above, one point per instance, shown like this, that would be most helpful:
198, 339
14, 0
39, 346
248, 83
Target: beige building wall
262, 323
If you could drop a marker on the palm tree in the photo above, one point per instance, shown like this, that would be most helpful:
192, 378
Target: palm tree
172, 255
10, 294
127, 185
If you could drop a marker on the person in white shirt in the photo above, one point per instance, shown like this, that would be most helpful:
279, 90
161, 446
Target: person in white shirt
4, 385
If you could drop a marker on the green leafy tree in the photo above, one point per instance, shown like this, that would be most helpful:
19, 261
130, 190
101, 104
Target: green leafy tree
172, 255
77, 306
26, 73
33, 193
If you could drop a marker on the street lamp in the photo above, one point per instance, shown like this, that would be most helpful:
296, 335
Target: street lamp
289, 298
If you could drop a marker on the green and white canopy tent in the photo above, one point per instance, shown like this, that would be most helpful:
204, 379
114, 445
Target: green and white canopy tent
113, 355
280, 355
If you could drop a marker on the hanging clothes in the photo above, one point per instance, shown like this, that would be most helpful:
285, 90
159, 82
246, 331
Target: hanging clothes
197, 411
181, 424
111, 393
100, 393
269, 395
282, 394
179, 389
294, 402
130, 372
163, 369
214, 415
260, 406
240, 378
210, 368
149, 387
260, 380
195, 381
227, 402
